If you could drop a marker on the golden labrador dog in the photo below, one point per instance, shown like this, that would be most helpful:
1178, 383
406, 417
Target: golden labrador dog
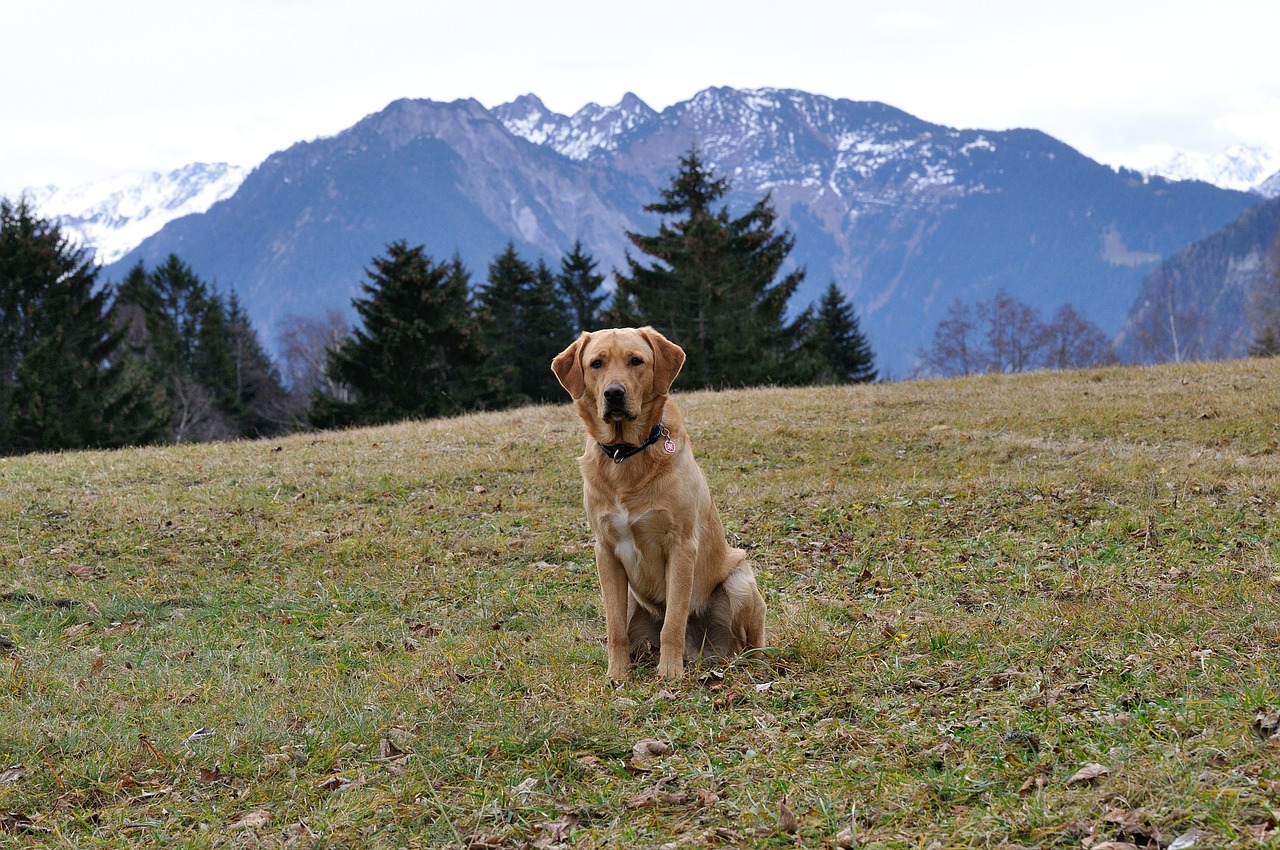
668, 577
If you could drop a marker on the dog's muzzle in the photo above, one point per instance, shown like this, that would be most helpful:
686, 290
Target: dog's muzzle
615, 402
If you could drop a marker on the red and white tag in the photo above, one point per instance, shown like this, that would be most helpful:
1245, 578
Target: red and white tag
669, 446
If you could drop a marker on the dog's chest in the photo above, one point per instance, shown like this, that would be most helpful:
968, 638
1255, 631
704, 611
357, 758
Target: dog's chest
629, 535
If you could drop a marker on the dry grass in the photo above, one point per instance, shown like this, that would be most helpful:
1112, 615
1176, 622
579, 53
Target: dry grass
391, 637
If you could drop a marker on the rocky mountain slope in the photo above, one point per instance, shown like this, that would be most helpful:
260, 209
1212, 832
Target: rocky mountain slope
904, 215
112, 217
1211, 299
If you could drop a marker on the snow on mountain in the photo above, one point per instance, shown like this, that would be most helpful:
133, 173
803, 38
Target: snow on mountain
1269, 188
592, 128
1245, 168
111, 217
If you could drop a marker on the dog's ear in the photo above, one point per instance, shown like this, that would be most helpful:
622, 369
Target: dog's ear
568, 367
668, 359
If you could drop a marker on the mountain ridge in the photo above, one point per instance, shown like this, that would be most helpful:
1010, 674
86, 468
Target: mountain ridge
903, 214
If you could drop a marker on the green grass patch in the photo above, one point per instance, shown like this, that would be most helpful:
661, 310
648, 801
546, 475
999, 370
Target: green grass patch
392, 637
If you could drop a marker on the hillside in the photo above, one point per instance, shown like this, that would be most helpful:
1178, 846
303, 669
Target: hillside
1203, 302
905, 215
391, 637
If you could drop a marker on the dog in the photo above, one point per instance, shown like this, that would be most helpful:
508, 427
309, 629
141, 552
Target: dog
668, 577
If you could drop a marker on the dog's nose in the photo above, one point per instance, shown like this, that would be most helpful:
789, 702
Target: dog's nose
615, 392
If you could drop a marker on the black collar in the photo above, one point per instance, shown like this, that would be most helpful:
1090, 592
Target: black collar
621, 451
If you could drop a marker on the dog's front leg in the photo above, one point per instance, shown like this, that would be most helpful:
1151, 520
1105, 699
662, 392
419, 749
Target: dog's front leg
613, 591
679, 590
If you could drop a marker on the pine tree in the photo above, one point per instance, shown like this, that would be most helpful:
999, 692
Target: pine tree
715, 287
179, 328
582, 288
526, 323
841, 353
622, 312
62, 384
258, 387
416, 352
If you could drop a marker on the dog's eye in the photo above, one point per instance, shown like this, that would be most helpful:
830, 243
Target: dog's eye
597, 363
636, 361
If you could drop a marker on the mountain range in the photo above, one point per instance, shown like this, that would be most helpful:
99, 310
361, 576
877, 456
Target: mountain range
904, 215
113, 216
1243, 167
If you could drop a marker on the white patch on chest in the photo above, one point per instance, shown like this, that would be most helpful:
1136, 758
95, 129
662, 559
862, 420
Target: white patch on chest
624, 541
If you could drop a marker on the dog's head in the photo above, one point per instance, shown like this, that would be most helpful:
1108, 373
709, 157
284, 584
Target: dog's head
616, 376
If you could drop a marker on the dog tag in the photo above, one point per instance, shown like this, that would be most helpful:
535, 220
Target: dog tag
669, 447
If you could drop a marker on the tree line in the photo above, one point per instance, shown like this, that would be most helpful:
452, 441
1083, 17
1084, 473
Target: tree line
430, 344
160, 358
164, 357
1004, 334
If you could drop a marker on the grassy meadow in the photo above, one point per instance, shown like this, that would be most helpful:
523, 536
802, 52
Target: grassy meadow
1029, 611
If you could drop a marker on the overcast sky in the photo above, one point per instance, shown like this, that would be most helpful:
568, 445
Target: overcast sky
93, 89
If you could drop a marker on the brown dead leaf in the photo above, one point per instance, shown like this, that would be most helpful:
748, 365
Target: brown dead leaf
11, 774
558, 830
1266, 724
787, 821
646, 751
1132, 824
278, 761
712, 679
1115, 845
340, 782
1033, 784
78, 628
207, 776
15, 822
83, 571
1088, 773
589, 760
254, 820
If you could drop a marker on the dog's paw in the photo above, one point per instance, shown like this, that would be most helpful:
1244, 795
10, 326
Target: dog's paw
671, 669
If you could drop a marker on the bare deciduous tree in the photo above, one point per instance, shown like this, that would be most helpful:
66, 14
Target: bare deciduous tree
1008, 336
955, 349
1074, 342
305, 345
1015, 334
1169, 327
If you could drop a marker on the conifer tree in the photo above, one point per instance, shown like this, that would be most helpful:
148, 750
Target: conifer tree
841, 353
526, 323
416, 351
582, 288
179, 328
622, 312
62, 384
716, 286
258, 386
